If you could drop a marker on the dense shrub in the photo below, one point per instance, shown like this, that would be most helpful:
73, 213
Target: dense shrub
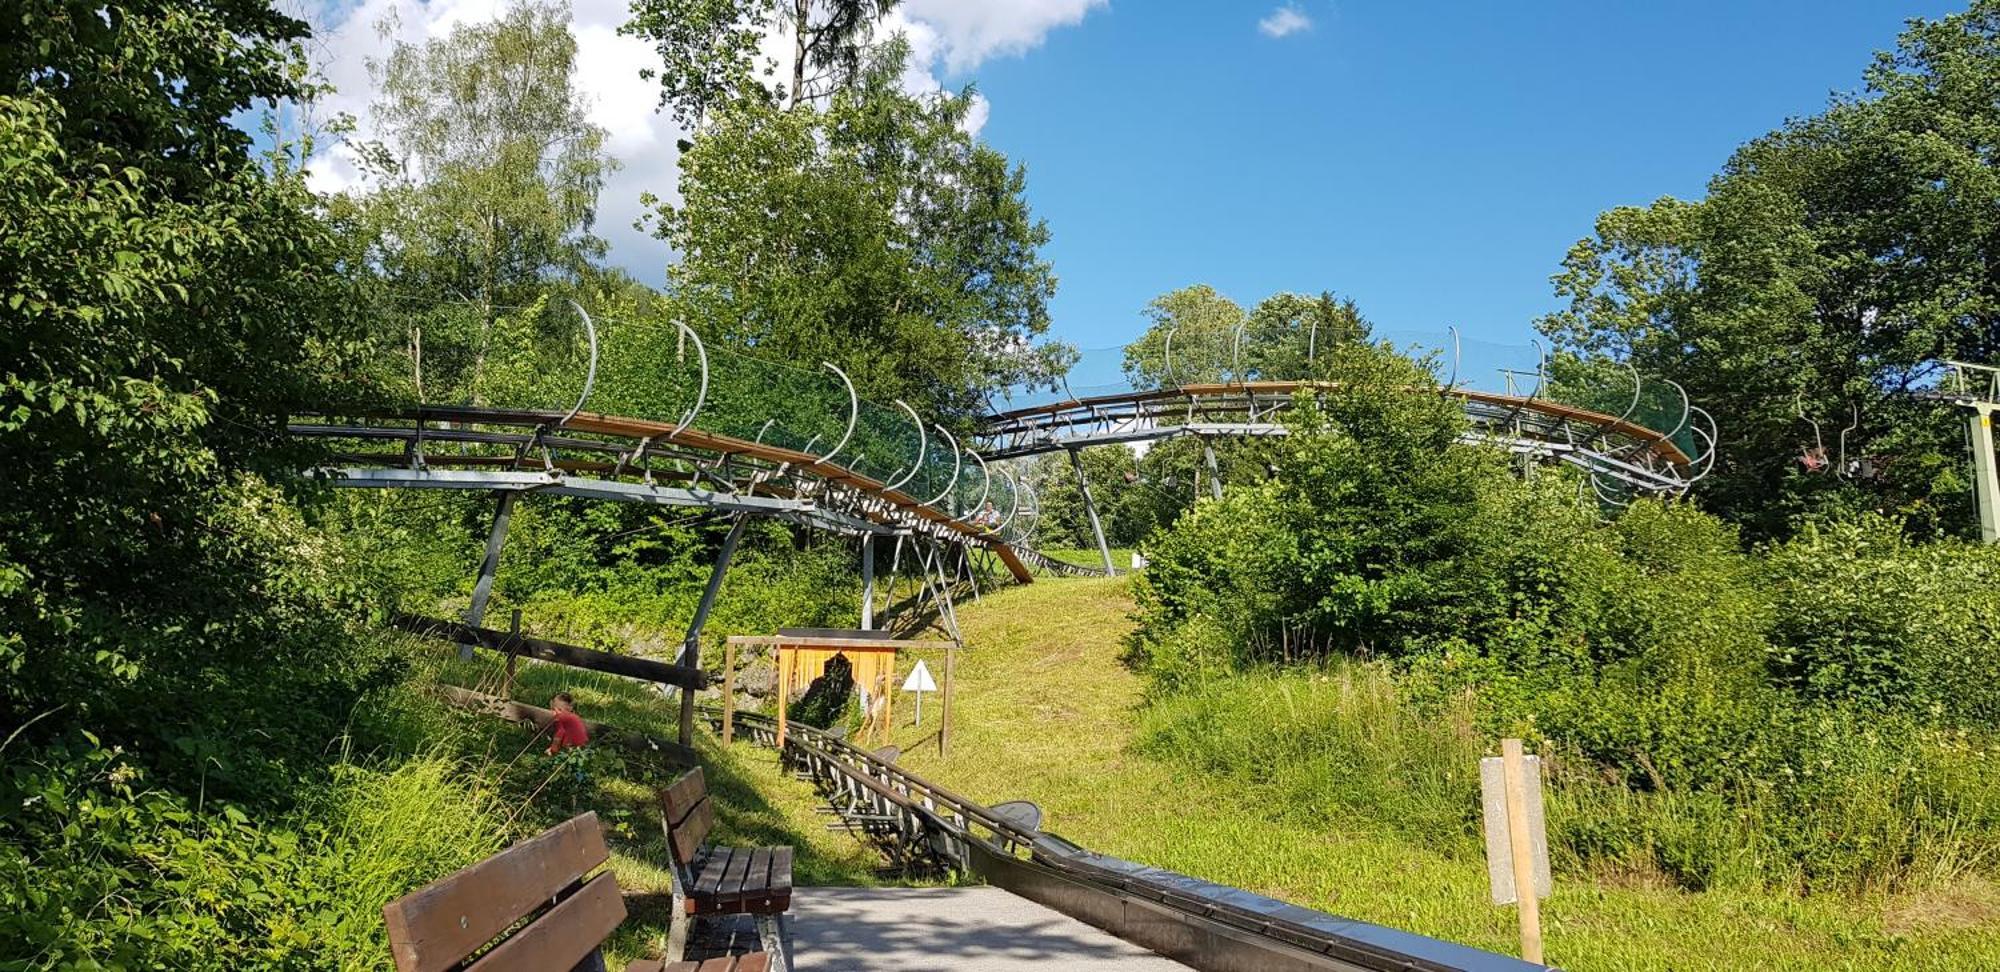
101, 868
1865, 615
1813, 713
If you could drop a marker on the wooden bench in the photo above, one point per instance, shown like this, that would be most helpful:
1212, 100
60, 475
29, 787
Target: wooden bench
710, 880
759, 962
441, 925
532, 898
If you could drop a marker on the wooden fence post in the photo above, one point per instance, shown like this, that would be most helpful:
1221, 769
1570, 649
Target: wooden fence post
729, 691
1521, 845
513, 650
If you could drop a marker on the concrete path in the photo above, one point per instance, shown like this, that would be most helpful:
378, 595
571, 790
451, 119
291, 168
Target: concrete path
949, 930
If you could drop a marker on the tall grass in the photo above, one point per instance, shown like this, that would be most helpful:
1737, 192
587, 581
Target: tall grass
1337, 744
1876, 803
378, 832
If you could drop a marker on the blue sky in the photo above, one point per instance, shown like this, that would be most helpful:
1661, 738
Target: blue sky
1433, 161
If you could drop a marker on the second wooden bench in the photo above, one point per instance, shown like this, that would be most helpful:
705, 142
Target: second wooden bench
711, 880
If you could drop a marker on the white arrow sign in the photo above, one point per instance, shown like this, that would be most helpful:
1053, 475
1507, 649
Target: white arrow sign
920, 681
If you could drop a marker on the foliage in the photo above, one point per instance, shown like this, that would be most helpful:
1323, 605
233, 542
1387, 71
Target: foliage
1214, 340
165, 302
483, 199
1363, 539
875, 234
709, 48
1865, 615
1283, 805
1796, 716
101, 869
1200, 322
1810, 291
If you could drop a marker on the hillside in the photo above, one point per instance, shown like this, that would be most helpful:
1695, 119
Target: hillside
1047, 712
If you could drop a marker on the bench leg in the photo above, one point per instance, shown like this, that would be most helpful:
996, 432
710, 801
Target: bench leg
677, 932
770, 935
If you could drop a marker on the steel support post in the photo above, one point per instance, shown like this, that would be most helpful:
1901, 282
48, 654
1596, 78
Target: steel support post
489, 566
691, 648
867, 582
1214, 476
1090, 507
1985, 479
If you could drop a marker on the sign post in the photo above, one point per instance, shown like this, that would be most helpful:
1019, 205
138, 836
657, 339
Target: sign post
1517, 843
920, 681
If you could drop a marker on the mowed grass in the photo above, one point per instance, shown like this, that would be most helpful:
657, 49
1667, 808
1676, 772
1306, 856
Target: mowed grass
1121, 557
1045, 711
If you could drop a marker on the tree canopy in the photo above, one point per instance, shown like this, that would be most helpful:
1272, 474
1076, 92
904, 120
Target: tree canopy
165, 302
876, 234
1832, 262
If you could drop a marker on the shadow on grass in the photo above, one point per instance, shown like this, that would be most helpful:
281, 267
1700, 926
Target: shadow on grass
623, 785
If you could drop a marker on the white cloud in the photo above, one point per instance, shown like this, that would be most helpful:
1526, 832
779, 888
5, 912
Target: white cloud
946, 37
968, 33
1284, 21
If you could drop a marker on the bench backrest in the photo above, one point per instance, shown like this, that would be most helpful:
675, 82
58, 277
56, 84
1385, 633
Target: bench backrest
689, 814
437, 927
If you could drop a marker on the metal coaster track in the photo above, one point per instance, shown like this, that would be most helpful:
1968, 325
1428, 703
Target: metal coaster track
619, 459
1605, 445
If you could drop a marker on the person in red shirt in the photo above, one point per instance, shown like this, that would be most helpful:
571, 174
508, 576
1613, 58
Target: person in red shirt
570, 731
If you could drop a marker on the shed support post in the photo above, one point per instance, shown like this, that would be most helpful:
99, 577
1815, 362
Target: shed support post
691, 648
867, 582
1090, 507
1985, 479
490, 565
1214, 475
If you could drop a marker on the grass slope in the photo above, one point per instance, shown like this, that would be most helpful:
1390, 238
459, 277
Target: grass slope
756, 803
1046, 712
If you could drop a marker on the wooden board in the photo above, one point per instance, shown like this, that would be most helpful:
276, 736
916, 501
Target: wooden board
435, 926
560, 938
573, 656
859, 644
692, 830
680, 796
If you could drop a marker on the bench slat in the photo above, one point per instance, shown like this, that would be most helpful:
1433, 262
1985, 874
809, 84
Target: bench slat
757, 880
436, 926
562, 937
681, 795
692, 830
710, 879
754, 962
781, 871
738, 871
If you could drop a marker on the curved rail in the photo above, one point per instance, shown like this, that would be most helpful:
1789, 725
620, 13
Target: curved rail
1608, 446
632, 460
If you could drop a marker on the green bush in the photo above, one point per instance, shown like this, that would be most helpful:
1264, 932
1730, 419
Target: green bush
1865, 615
1810, 714
99, 868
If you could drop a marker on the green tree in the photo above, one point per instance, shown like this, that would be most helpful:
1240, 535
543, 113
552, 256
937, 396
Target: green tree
1810, 292
489, 178
709, 48
165, 302
1200, 322
1285, 333
875, 234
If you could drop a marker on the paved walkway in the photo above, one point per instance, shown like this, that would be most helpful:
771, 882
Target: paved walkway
949, 930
